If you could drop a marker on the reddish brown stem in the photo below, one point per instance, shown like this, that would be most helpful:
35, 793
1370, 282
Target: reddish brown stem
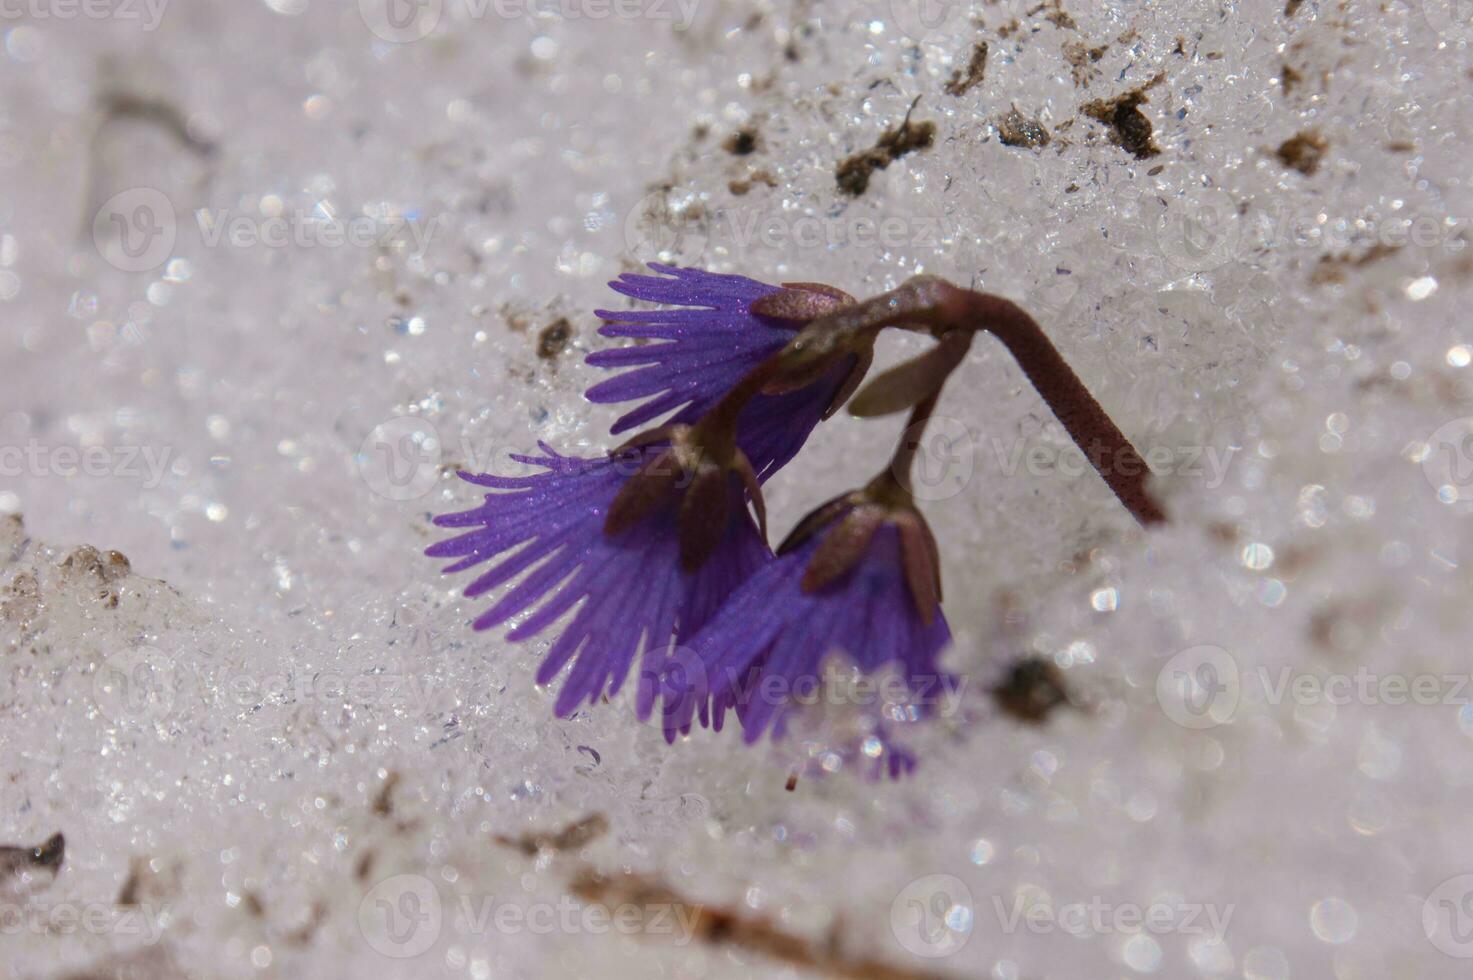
1093, 431
937, 307
903, 461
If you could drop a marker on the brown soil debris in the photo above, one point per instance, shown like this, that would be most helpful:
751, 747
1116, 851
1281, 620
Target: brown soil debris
20, 602
1330, 269
963, 82
17, 862
1129, 128
1303, 152
1082, 60
87, 562
743, 142
1059, 17
1016, 129
745, 185
554, 338
1289, 79
853, 174
570, 838
383, 803
1032, 689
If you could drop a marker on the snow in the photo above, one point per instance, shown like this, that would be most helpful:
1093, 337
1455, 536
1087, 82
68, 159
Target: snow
274, 716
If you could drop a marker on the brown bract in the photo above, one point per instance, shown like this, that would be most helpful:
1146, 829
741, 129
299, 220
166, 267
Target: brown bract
804, 302
914, 381
801, 302
685, 464
843, 546
852, 521
863, 358
922, 562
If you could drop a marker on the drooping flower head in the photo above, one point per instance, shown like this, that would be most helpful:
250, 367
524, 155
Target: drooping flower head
634, 591
649, 542
859, 579
658, 542
721, 329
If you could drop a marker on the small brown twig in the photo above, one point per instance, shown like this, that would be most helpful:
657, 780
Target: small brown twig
730, 927
570, 838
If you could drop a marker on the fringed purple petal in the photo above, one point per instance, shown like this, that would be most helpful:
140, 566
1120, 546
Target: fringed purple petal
546, 532
710, 344
691, 287
769, 640
773, 428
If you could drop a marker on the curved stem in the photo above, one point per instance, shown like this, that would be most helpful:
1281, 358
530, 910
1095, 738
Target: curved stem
903, 461
935, 306
1093, 431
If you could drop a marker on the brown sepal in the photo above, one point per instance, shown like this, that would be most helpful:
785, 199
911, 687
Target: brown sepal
644, 491
910, 383
818, 519
665, 433
703, 516
743, 467
805, 374
796, 305
852, 381
922, 561
833, 292
843, 546
801, 302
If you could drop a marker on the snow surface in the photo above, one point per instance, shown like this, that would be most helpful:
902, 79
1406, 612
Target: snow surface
276, 748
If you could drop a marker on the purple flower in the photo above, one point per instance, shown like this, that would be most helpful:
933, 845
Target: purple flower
709, 344
863, 584
633, 591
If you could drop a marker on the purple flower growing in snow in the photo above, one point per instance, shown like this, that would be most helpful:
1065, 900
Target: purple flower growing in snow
723, 327
656, 543
633, 587
858, 577
654, 538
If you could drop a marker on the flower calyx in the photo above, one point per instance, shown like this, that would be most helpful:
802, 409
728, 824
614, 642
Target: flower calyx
849, 523
697, 463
